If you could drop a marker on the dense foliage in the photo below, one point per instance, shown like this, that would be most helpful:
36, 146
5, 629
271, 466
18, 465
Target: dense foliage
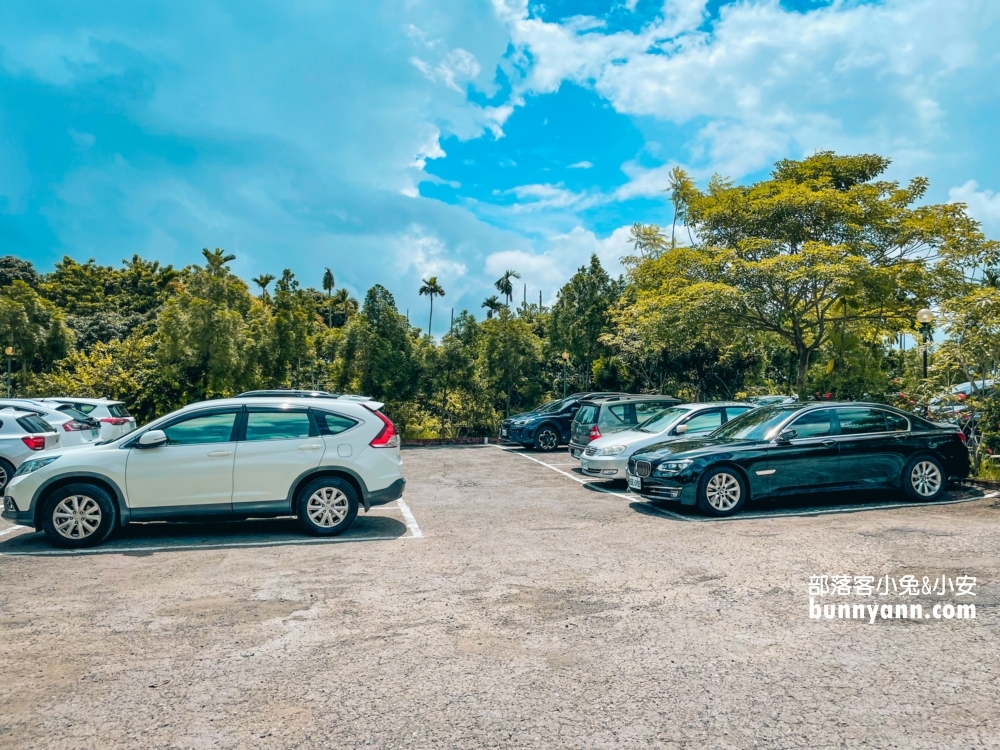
804, 282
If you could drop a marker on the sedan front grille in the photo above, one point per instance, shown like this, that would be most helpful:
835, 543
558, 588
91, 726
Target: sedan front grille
643, 468
590, 451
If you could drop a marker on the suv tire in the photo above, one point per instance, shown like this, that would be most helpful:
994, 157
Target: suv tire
924, 479
326, 506
79, 515
6, 473
547, 438
721, 492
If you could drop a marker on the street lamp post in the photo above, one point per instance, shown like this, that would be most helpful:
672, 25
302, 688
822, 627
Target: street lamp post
925, 317
565, 357
9, 351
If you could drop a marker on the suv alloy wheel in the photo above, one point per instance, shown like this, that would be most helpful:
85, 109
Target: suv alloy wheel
326, 506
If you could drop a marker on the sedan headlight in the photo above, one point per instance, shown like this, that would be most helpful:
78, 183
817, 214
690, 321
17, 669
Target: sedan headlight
670, 468
33, 465
611, 450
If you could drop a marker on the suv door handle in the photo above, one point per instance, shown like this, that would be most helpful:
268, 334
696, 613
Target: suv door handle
310, 447
220, 454
828, 443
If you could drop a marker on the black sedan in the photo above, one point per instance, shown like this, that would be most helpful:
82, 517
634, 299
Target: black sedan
795, 448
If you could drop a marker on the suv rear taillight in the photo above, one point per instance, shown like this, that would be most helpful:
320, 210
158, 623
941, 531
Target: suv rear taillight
594, 433
74, 426
961, 436
34, 442
116, 421
387, 436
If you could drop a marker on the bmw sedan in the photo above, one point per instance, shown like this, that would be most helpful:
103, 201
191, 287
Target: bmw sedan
795, 448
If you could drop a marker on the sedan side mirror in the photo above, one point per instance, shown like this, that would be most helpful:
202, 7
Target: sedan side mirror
152, 439
786, 435
681, 429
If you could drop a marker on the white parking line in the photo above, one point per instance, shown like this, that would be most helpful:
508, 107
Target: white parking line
11, 530
205, 546
754, 514
411, 522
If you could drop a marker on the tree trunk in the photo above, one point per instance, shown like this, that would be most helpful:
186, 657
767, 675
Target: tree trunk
431, 320
803, 369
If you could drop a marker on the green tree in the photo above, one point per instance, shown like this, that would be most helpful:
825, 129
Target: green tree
510, 356
505, 286
492, 305
34, 327
581, 316
328, 284
776, 256
262, 281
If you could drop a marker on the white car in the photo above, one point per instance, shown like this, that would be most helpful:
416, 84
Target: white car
316, 459
74, 427
22, 435
607, 457
113, 416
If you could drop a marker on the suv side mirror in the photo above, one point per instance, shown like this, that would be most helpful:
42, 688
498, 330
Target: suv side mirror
152, 439
786, 435
680, 429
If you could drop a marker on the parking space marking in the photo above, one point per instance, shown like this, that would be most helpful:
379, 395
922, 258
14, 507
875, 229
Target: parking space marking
206, 546
750, 515
11, 530
411, 522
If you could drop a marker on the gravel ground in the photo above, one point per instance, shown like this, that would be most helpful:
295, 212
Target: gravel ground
532, 611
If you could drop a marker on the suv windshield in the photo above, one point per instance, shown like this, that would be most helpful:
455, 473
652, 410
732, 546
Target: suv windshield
758, 424
661, 421
553, 406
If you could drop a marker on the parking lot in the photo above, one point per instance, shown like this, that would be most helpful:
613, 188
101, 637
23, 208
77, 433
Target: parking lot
506, 602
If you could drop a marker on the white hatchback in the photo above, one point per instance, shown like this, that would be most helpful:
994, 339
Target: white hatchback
316, 459
113, 417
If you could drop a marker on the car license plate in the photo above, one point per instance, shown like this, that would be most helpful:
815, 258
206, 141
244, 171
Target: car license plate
634, 483
584, 465
503, 432
95, 432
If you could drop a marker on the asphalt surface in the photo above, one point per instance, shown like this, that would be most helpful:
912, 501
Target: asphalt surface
507, 603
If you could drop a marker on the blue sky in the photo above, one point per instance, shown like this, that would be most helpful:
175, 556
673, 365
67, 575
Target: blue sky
396, 139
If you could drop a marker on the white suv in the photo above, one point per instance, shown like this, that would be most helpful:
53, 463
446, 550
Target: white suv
114, 418
232, 458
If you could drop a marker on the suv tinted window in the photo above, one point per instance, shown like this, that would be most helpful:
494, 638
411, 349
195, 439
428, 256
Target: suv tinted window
207, 428
646, 409
813, 424
277, 425
332, 424
118, 410
587, 414
619, 415
85, 408
735, 411
855, 421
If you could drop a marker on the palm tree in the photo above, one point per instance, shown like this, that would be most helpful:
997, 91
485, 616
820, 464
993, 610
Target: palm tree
432, 289
504, 285
262, 281
492, 305
344, 302
328, 283
216, 258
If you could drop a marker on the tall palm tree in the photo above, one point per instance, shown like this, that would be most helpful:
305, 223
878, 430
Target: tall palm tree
262, 281
504, 285
431, 289
216, 258
492, 305
328, 284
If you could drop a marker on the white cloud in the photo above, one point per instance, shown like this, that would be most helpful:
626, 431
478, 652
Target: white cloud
581, 165
549, 270
458, 66
426, 254
534, 197
983, 205
771, 82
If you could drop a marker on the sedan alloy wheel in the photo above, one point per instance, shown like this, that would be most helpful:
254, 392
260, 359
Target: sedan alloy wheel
722, 492
926, 479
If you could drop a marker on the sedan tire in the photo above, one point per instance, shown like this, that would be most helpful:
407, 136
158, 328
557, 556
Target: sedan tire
924, 479
721, 492
79, 515
547, 439
327, 506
